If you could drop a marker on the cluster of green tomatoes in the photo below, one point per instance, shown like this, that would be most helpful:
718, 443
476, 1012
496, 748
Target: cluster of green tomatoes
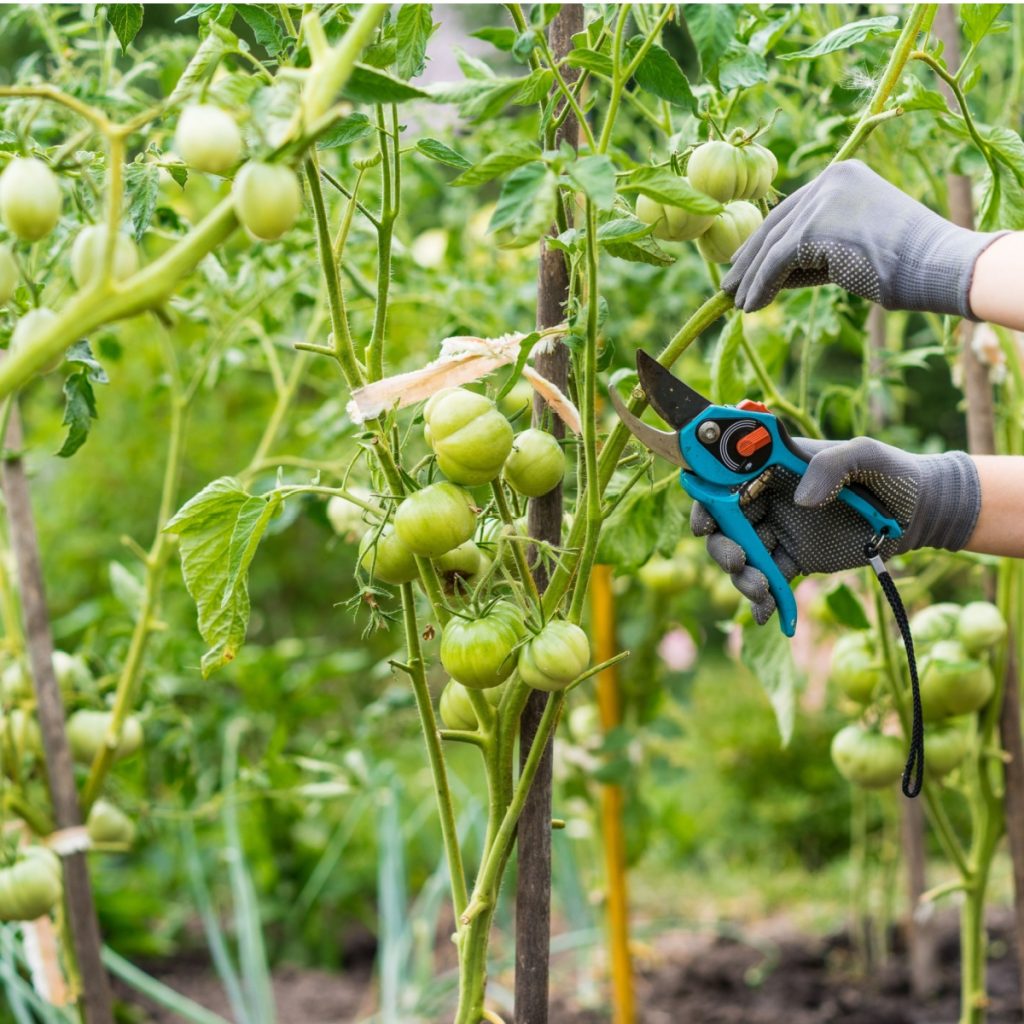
30, 878
267, 199
473, 444
737, 172
954, 646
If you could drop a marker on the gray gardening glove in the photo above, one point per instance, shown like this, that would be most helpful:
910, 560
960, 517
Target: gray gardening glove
935, 499
852, 228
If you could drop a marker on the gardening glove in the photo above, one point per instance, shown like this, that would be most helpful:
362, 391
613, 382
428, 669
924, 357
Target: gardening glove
852, 228
935, 499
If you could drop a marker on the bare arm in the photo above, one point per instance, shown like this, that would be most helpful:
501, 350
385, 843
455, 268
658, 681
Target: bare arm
997, 288
1000, 526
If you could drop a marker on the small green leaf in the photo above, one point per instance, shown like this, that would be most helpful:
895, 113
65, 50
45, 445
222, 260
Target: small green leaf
370, 85
623, 229
265, 28
534, 87
143, 184
79, 412
441, 153
979, 19
503, 38
346, 131
81, 353
769, 656
638, 250
665, 186
125, 20
527, 203
634, 531
592, 61
525, 347
844, 604
413, 30
740, 67
712, 28
846, 36
595, 177
495, 164
660, 75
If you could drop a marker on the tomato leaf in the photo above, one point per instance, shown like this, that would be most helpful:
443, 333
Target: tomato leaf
346, 131
595, 177
643, 523
525, 348
413, 29
727, 382
495, 164
844, 604
846, 36
370, 85
712, 28
527, 203
143, 182
660, 75
125, 20
637, 250
769, 656
502, 38
665, 186
741, 67
591, 60
441, 153
979, 19
265, 29
79, 412
219, 530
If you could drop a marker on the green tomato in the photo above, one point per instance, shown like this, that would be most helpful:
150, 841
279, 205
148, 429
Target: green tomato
435, 519
8, 275
953, 683
20, 739
720, 170
672, 223
348, 519
386, 558
87, 735
208, 139
464, 561
856, 668
87, 255
480, 653
470, 438
665, 576
30, 199
518, 399
936, 622
536, 463
267, 199
556, 656
980, 627
456, 708
31, 886
72, 674
761, 170
109, 825
945, 746
730, 229
867, 758
28, 329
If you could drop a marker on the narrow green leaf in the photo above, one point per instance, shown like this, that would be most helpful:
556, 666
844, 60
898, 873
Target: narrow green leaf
595, 177
665, 186
769, 656
844, 604
143, 183
534, 87
846, 36
660, 75
526, 205
639, 250
592, 61
495, 164
81, 353
370, 85
979, 19
125, 20
525, 348
265, 28
623, 229
413, 28
346, 131
79, 412
441, 153
502, 38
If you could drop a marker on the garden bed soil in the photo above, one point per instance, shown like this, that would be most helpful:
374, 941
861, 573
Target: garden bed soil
769, 975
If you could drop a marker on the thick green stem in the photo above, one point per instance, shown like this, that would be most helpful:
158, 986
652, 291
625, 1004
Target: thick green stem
973, 952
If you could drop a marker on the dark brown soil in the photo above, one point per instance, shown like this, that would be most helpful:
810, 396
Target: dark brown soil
771, 976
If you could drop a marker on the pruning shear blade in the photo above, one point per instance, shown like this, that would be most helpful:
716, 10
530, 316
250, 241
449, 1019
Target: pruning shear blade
662, 442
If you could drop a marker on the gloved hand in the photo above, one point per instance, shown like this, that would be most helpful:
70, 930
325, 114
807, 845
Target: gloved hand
935, 499
852, 228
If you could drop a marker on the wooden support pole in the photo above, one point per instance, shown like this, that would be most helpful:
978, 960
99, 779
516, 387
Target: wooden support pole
85, 931
533, 879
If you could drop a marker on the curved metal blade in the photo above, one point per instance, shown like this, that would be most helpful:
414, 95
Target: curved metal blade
670, 398
662, 442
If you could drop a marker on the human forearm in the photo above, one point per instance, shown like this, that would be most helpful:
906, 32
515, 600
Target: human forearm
997, 288
1000, 526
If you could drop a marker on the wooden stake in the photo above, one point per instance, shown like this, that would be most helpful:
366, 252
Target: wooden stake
85, 931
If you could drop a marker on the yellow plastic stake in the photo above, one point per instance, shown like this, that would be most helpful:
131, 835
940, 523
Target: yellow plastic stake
605, 647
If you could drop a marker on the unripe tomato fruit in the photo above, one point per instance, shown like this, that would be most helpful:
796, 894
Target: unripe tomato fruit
945, 746
8, 275
31, 886
470, 438
87, 255
208, 139
730, 229
28, 329
456, 708
267, 199
980, 626
667, 575
672, 223
19, 738
480, 653
555, 656
108, 824
71, 671
386, 558
953, 683
519, 398
856, 669
87, 735
30, 199
346, 518
761, 170
436, 519
720, 170
466, 560
536, 463
867, 758
936, 622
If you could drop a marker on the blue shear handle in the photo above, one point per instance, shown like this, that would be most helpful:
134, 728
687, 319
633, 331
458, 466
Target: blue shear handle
724, 506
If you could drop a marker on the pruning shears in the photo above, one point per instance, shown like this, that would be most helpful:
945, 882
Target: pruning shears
727, 454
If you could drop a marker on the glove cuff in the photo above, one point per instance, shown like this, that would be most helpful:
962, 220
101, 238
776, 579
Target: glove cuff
936, 267
949, 502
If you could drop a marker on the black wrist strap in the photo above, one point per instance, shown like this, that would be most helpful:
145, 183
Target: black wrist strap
913, 772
